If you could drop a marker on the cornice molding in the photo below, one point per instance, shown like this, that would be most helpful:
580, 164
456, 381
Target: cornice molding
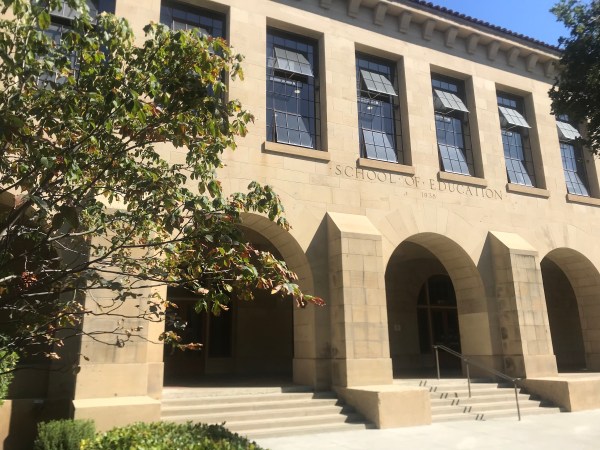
455, 32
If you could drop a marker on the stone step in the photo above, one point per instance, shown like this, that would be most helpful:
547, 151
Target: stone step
492, 392
235, 416
246, 398
503, 413
195, 392
265, 413
450, 401
215, 408
477, 398
484, 407
465, 385
304, 430
285, 422
494, 414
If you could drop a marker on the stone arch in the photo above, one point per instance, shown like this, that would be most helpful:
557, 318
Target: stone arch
584, 280
305, 365
289, 248
421, 256
251, 339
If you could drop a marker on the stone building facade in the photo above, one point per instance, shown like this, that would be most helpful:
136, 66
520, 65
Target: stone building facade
433, 198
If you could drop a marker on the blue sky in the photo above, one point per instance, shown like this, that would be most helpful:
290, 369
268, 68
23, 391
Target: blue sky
529, 17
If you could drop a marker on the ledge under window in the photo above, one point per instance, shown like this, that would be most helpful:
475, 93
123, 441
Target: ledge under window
572, 198
462, 179
292, 150
527, 190
384, 165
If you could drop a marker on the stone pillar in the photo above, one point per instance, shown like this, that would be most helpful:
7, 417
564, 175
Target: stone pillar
120, 379
522, 314
359, 337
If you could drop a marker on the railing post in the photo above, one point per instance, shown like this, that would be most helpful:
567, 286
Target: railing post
437, 361
517, 399
468, 377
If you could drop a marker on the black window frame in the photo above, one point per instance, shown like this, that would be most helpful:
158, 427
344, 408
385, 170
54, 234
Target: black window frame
61, 22
213, 22
379, 121
574, 169
293, 115
452, 129
518, 155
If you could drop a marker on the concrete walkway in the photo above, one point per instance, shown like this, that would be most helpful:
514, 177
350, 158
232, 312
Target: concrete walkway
564, 431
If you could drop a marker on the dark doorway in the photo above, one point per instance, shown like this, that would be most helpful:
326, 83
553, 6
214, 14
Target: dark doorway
213, 332
251, 340
564, 318
437, 315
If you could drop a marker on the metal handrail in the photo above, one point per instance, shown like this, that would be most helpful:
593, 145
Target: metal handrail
468, 362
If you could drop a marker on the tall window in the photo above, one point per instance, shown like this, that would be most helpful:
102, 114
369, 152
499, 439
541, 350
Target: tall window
451, 125
377, 115
180, 16
292, 90
61, 21
65, 12
515, 140
572, 157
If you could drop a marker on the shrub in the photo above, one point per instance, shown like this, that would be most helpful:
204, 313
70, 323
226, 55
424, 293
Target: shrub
63, 434
8, 361
170, 436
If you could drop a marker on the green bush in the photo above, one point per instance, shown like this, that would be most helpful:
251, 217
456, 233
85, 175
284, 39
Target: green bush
170, 436
63, 434
8, 361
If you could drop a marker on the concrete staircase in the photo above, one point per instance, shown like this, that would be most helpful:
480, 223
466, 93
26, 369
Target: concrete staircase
259, 412
450, 400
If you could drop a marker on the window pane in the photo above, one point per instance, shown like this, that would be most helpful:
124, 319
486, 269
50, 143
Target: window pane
179, 16
292, 129
291, 84
453, 159
377, 118
512, 117
515, 160
574, 169
452, 129
567, 131
448, 100
377, 82
290, 61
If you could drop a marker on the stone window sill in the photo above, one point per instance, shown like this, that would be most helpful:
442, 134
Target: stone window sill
292, 150
572, 198
462, 179
527, 190
385, 166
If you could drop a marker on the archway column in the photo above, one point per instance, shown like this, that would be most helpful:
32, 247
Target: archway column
522, 314
359, 330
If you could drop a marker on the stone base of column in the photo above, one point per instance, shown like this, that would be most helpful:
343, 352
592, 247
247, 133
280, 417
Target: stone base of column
108, 413
315, 372
573, 392
390, 406
529, 366
361, 372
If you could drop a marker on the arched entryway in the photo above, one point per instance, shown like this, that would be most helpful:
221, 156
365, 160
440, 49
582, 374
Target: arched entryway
572, 290
435, 296
253, 340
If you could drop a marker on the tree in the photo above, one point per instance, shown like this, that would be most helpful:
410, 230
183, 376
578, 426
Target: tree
576, 91
91, 200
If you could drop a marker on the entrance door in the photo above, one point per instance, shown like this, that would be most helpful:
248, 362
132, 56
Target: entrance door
213, 332
438, 320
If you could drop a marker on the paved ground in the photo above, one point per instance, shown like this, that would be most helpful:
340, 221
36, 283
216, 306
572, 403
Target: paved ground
565, 431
